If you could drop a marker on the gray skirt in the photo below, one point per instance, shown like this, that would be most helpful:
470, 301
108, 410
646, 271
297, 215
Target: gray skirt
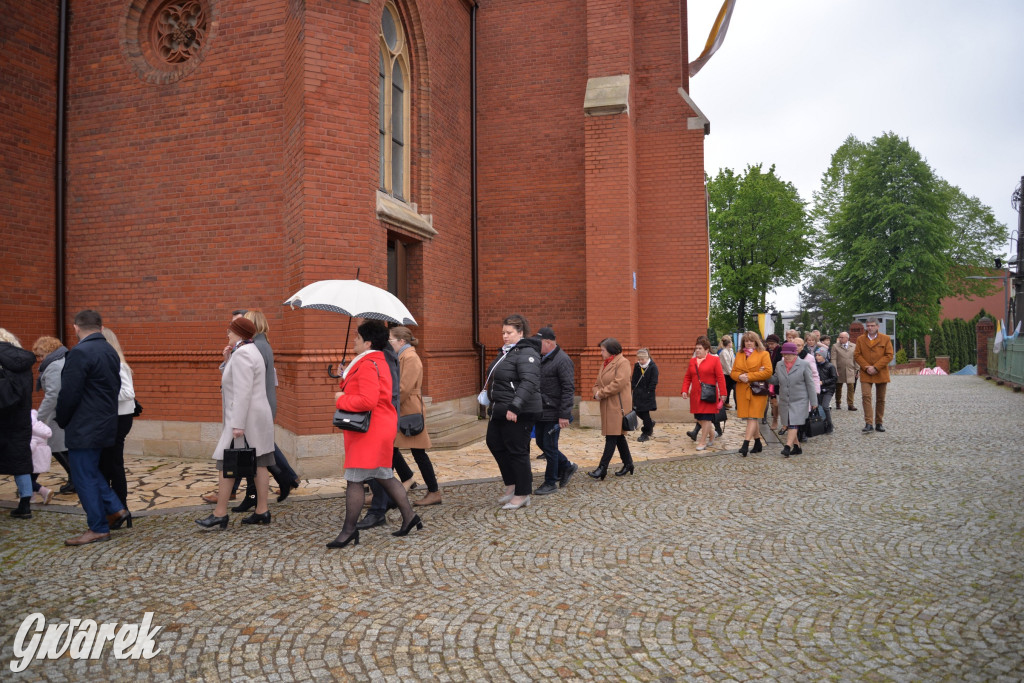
357, 474
265, 460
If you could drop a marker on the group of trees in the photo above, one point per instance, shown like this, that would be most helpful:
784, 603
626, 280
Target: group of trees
890, 235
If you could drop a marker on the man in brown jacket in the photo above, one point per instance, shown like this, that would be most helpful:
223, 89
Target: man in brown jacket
873, 354
846, 370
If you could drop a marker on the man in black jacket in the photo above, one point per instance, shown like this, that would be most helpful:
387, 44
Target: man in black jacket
557, 388
87, 412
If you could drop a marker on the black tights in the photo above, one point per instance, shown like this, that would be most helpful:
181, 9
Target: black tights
355, 495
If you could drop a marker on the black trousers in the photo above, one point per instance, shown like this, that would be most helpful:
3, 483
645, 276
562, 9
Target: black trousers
645, 417
112, 460
610, 444
509, 443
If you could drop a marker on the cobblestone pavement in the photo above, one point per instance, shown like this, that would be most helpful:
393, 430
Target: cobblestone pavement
896, 556
160, 484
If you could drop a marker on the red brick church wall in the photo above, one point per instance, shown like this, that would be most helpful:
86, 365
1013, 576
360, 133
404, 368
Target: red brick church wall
28, 121
256, 173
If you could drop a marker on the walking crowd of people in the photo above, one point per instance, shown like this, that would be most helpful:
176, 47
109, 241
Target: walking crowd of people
89, 404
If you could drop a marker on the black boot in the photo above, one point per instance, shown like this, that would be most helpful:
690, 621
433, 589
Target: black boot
627, 465
745, 447
248, 504
757, 446
24, 509
600, 472
693, 435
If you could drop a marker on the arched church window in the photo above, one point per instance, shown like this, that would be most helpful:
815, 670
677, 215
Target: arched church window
394, 93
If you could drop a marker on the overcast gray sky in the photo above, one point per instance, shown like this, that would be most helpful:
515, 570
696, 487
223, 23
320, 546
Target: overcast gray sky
795, 77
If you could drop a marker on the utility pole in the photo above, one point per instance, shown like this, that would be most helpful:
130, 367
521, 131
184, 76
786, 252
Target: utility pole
1018, 280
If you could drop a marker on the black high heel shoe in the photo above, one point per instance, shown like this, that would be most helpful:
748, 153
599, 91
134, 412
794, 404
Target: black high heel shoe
626, 469
117, 521
258, 518
599, 473
414, 522
338, 543
212, 521
745, 448
757, 446
248, 504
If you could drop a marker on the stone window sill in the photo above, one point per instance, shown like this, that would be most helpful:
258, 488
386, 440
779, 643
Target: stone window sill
398, 213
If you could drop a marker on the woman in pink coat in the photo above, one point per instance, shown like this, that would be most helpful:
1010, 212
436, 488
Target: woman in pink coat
366, 386
705, 368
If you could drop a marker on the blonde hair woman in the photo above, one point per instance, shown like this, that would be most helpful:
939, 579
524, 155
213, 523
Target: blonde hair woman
112, 457
410, 403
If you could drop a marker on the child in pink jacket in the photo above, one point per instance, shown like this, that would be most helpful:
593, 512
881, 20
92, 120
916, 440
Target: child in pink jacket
41, 455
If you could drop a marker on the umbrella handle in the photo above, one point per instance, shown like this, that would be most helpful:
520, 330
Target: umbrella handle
331, 374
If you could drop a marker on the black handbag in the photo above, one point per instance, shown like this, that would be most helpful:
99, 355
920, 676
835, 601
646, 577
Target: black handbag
629, 420
708, 393
352, 422
411, 425
759, 388
239, 462
138, 409
815, 424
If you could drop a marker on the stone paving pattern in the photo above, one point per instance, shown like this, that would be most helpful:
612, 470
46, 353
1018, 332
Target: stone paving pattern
877, 557
158, 484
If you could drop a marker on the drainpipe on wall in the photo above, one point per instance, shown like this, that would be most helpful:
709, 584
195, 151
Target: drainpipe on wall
59, 171
474, 236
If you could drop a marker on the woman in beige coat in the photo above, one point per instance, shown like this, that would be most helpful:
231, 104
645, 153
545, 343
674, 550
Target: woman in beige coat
410, 398
613, 390
246, 416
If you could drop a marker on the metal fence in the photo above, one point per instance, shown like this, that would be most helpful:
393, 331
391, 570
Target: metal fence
1008, 364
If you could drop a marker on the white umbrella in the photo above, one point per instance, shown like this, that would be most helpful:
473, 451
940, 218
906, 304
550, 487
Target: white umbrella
354, 298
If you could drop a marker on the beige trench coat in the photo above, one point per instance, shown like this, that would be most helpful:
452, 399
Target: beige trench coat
842, 358
245, 405
613, 388
410, 398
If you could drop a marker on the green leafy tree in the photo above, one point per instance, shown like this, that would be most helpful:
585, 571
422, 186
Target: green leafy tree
758, 230
888, 245
977, 239
829, 198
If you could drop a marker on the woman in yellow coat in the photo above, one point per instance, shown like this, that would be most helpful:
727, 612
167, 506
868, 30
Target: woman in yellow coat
613, 390
752, 364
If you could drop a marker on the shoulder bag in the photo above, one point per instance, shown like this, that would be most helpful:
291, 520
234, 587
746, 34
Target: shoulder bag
354, 422
239, 462
10, 389
411, 425
629, 420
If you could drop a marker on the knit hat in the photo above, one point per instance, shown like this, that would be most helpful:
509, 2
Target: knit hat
789, 347
821, 351
242, 327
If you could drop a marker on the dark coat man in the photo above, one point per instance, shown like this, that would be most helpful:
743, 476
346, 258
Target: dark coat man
87, 411
87, 404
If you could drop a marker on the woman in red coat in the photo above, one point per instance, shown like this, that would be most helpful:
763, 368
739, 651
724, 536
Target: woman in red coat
705, 368
366, 386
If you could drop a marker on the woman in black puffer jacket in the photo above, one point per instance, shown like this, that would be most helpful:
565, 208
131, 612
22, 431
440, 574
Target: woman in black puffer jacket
16, 418
513, 388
